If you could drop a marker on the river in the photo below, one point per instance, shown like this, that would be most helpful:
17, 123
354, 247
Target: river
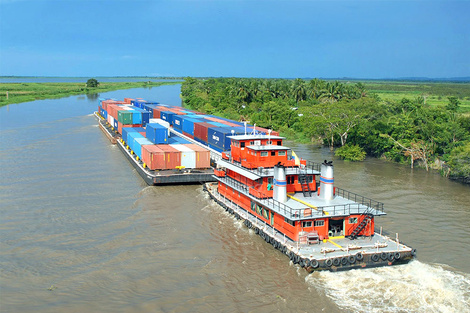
81, 231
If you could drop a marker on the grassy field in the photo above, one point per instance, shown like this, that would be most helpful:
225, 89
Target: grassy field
24, 92
434, 93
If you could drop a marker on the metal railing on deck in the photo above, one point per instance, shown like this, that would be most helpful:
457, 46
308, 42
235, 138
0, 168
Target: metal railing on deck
296, 214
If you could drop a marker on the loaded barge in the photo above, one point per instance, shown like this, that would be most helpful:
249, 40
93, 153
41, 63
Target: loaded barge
291, 203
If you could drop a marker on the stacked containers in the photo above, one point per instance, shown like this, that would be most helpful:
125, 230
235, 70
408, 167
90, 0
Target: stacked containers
138, 143
131, 137
217, 137
156, 133
167, 116
172, 156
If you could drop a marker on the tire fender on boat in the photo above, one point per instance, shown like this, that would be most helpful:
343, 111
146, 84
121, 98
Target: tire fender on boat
352, 259
329, 262
337, 262
391, 256
383, 256
359, 257
344, 260
375, 257
314, 263
397, 255
413, 252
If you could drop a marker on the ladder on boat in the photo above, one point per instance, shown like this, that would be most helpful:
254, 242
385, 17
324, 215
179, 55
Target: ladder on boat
304, 184
366, 217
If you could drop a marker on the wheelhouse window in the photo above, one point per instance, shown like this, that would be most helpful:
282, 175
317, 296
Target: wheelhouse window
252, 143
310, 179
242, 144
279, 143
273, 153
253, 206
352, 220
281, 153
319, 223
288, 221
264, 153
307, 224
269, 142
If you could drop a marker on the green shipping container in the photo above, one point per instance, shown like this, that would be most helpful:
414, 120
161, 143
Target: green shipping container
125, 117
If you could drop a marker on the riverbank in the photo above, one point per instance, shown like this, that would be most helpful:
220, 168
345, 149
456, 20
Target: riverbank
24, 92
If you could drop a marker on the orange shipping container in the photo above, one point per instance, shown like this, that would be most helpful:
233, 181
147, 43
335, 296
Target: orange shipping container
172, 156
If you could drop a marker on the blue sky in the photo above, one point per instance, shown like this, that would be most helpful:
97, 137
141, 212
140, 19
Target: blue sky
255, 38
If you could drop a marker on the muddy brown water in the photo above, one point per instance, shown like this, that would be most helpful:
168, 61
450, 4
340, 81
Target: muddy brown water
81, 231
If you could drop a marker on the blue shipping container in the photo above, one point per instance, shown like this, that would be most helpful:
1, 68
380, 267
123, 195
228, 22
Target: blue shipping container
127, 130
167, 116
176, 139
156, 133
131, 136
178, 122
218, 136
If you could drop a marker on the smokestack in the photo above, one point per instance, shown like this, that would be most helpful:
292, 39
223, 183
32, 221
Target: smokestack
327, 181
280, 183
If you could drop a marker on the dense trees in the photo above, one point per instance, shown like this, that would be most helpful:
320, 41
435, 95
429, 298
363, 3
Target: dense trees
341, 114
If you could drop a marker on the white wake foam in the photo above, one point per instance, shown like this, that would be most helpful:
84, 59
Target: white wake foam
414, 287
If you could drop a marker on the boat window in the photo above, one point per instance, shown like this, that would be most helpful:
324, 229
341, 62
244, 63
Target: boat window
352, 220
319, 223
270, 180
279, 143
264, 153
242, 144
310, 179
273, 153
252, 143
307, 224
272, 218
269, 142
253, 205
265, 213
281, 153
288, 221
258, 209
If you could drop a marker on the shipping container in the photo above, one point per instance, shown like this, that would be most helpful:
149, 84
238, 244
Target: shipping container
128, 129
172, 156
156, 133
188, 156
131, 136
203, 156
178, 121
218, 136
176, 139
167, 116
138, 143
200, 131
153, 157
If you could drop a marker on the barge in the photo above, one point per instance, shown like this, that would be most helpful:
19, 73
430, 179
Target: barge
293, 205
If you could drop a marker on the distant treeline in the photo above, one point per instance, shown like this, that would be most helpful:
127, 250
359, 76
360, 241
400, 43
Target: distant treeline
345, 115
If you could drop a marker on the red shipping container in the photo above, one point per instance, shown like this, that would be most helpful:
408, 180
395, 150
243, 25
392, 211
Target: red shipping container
172, 156
120, 126
203, 156
200, 130
153, 157
128, 100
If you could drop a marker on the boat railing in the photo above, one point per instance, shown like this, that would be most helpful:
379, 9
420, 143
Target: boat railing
294, 169
378, 206
302, 213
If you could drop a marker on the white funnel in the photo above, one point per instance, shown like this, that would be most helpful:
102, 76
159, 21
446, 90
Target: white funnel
327, 181
280, 184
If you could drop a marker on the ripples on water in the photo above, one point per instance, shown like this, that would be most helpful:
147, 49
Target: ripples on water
76, 218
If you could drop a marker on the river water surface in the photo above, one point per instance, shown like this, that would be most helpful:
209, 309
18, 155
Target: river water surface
80, 231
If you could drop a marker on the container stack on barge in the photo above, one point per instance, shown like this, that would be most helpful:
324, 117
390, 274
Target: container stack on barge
291, 203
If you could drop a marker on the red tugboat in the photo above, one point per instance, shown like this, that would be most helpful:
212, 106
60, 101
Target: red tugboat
294, 205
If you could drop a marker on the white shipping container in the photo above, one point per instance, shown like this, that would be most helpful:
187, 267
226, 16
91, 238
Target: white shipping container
188, 156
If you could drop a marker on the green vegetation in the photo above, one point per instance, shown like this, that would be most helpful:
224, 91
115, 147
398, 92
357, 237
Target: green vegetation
92, 83
409, 129
23, 92
351, 153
